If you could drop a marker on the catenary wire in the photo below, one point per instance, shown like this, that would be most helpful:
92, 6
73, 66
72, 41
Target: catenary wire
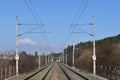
29, 30
31, 11
36, 12
78, 11
82, 12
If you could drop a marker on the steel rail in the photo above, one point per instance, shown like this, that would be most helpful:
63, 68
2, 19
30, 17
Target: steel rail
65, 73
30, 76
84, 77
43, 78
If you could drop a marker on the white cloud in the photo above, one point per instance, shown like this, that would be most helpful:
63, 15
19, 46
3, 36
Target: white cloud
27, 41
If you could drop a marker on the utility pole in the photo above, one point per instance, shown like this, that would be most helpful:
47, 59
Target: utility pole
93, 36
63, 56
46, 59
73, 57
39, 60
50, 57
94, 54
66, 57
17, 35
17, 55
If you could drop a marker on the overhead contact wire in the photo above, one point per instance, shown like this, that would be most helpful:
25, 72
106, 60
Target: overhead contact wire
31, 12
82, 11
36, 12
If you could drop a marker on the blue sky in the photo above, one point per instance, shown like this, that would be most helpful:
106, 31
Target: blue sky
57, 16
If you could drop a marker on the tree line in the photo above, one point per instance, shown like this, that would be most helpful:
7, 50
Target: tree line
107, 53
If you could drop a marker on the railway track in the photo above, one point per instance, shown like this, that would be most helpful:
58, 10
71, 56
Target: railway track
40, 75
56, 71
71, 74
